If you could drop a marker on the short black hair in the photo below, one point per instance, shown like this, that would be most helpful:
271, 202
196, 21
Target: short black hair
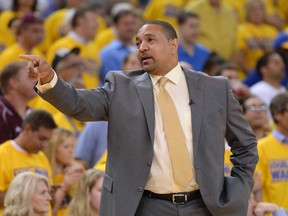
167, 29
225, 66
9, 72
16, 6
213, 60
80, 12
39, 118
243, 101
279, 105
123, 13
263, 61
182, 17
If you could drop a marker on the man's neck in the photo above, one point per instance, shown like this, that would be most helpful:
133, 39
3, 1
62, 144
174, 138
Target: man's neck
273, 82
20, 140
77, 35
25, 46
259, 133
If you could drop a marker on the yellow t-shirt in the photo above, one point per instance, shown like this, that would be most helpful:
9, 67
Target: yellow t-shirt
12, 54
14, 161
227, 163
165, 10
254, 41
68, 123
39, 103
217, 28
238, 7
55, 27
273, 168
88, 54
101, 164
103, 39
7, 38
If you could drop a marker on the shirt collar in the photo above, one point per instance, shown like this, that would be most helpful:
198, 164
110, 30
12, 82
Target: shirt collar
280, 137
78, 37
173, 76
18, 147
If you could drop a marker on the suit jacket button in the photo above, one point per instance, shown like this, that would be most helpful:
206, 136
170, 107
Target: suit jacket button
149, 164
140, 189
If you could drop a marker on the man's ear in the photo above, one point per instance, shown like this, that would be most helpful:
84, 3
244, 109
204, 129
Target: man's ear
27, 128
174, 44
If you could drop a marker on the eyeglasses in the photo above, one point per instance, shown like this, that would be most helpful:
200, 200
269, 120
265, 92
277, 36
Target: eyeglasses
261, 107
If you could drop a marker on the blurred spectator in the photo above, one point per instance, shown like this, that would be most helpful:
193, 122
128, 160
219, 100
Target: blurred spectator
213, 62
218, 26
254, 37
280, 45
28, 194
272, 69
56, 24
69, 66
65, 171
230, 71
87, 197
276, 13
131, 62
112, 55
24, 152
256, 114
106, 36
263, 208
17, 90
165, 10
19, 8
29, 35
91, 143
189, 50
273, 155
83, 31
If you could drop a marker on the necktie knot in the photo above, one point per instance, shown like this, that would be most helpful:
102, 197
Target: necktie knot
162, 81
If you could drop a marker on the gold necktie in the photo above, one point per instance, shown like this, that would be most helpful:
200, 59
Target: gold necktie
180, 161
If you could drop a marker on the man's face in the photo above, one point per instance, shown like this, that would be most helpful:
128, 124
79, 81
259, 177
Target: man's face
70, 70
256, 112
127, 27
156, 53
189, 30
36, 140
276, 67
282, 120
33, 34
24, 85
89, 23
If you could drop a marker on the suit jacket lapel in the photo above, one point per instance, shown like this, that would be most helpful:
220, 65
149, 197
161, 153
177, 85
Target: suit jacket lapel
195, 89
145, 90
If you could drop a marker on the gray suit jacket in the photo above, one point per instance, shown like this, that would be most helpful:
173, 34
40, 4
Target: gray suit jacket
127, 102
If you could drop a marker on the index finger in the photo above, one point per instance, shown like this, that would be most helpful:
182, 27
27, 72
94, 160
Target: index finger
28, 57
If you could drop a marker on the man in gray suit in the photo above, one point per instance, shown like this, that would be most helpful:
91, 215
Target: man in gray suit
140, 174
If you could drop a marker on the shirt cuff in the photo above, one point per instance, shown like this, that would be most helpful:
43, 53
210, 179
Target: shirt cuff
45, 87
280, 212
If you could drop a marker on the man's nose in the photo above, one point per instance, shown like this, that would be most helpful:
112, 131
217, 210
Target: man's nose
143, 46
